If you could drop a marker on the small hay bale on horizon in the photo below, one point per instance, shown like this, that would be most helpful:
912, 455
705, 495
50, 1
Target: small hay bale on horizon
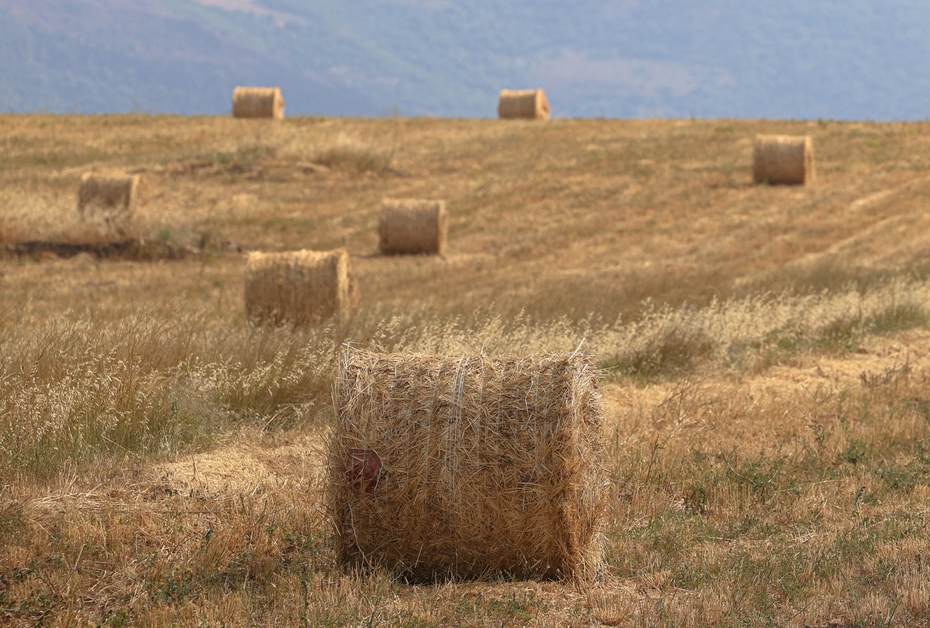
258, 102
529, 104
465, 467
412, 227
111, 196
299, 287
783, 160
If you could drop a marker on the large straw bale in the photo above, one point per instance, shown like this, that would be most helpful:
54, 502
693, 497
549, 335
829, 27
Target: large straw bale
410, 227
298, 287
783, 159
467, 466
530, 104
111, 196
258, 102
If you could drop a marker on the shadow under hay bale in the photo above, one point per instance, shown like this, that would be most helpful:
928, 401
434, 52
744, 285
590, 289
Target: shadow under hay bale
258, 102
783, 160
412, 227
111, 197
467, 467
527, 104
298, 287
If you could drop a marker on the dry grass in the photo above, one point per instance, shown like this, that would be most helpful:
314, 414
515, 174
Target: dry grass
765, 352
351, 156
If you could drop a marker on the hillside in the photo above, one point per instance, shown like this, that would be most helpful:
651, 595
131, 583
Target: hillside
840, 60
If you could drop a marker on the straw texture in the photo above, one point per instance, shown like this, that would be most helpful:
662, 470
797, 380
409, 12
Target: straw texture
468, 466
529, 104
783, 159
111, 195
410, 227
298, 287
258, 102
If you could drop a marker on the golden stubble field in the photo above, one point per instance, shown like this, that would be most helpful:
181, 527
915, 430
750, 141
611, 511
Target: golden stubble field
763, 351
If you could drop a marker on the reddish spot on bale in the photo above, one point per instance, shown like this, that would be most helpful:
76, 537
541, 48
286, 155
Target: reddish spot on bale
364, 469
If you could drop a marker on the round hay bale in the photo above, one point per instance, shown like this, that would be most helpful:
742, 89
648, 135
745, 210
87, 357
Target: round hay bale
411, 227
465, 467
111, 196
258, 102
528, 104
298, 287
783, 159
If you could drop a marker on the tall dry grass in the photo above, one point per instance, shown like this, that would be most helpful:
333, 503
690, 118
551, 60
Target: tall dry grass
731, 503
86, 384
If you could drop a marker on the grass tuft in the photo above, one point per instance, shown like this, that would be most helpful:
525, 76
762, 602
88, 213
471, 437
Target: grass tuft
672, 354
356, 160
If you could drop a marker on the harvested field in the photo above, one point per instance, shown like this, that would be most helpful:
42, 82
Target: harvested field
762, 353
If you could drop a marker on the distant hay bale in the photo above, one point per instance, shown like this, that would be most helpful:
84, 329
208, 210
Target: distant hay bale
530, 104
111, 196
298, 287
467, 466
411, 227
258, 102
783, 159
